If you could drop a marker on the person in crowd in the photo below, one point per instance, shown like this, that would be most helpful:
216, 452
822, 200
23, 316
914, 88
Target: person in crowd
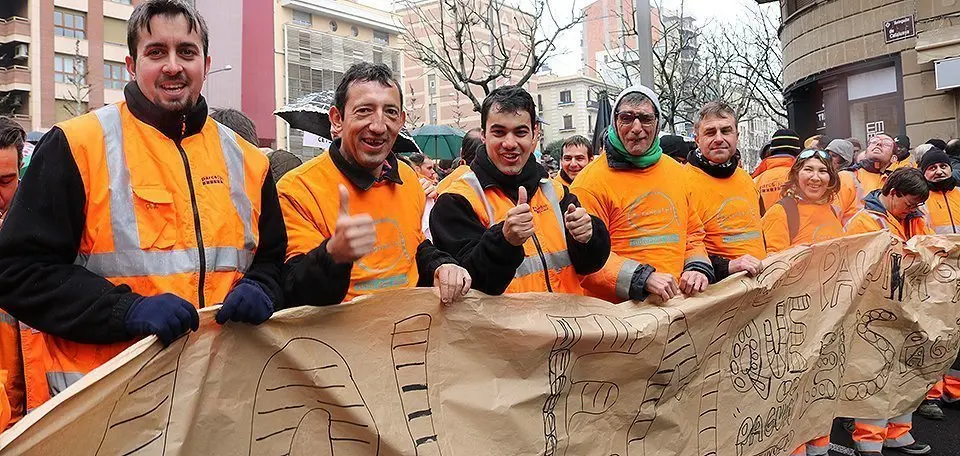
865, 176
282, 162
805, 216
942, 212
656, 235
444, 168
515, 230
841, 152
12, 393
819, 142
920, 151
938, 143
770, 176
857, 146
238, 122
74, 256
676, 147
904, 158
894, 207
575, 154
472, 145
722, 194
354, 214
764, 152
425, 167
953, 151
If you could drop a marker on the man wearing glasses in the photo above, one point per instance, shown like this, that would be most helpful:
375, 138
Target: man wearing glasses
656, 238
866, 176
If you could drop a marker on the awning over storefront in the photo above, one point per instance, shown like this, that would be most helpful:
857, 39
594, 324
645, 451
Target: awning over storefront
938, 44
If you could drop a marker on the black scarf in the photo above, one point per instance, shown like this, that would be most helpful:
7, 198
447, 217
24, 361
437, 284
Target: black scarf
867, 165
566, 178
718, 170
488, 175
943, 186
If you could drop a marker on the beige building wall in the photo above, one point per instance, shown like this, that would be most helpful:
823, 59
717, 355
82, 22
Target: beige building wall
582, 107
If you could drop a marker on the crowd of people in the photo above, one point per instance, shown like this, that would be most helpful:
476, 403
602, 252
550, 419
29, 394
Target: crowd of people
111, 252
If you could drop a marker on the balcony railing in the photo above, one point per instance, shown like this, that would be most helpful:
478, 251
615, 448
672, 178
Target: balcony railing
14, 26
15, 74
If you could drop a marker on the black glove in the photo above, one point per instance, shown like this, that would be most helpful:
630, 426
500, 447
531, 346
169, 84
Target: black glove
168, 316
246, 303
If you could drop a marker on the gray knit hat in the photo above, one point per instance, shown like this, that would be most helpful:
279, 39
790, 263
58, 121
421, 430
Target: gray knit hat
843, 148
645, 91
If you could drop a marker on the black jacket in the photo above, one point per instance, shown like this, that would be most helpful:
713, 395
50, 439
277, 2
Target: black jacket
484, 252
316, 279
40, 239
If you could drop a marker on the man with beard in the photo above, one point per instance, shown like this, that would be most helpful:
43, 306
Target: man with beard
723, 195
866, 176
575, 154
136, 214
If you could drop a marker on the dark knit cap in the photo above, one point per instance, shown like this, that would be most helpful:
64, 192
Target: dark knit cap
675, 146
785, 141
932, 157
902, 141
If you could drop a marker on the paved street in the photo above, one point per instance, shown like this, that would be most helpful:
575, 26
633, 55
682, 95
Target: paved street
943, 436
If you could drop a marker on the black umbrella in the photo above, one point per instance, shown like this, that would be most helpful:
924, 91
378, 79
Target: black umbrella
604, 118
312, 113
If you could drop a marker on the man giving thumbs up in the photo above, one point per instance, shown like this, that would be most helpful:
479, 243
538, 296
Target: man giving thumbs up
513, 229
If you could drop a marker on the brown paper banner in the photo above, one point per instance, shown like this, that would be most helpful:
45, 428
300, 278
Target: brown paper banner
861, 327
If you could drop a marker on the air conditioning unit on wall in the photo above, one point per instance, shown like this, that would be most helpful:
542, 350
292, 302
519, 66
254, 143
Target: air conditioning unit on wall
21, 51
947, 72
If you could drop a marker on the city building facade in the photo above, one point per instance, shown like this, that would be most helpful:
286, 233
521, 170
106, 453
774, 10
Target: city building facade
860, 68
568, 105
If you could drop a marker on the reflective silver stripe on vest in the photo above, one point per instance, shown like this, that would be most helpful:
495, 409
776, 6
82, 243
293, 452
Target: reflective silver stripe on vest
233, 155
533, 264
471, 179
546, 187
625, 278
59, 381
128, 259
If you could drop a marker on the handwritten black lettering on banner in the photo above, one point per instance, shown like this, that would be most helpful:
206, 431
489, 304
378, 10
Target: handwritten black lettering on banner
751, 367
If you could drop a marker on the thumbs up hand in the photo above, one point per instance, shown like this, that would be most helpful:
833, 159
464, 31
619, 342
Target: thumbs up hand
518, 226
578, 224
354, 236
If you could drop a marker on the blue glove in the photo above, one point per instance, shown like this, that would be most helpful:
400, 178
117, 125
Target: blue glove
246, 303
168, 316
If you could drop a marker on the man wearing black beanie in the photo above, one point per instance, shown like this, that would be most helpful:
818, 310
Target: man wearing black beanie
772, 171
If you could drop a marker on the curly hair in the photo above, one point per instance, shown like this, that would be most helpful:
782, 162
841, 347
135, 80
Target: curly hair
792, 186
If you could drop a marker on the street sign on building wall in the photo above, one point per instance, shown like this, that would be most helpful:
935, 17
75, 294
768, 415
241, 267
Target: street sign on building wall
898, 29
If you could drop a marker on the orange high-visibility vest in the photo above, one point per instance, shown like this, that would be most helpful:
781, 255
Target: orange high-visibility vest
4, 403
854, 187
770, 182
546, 264
942, 212
11, 362
158, 219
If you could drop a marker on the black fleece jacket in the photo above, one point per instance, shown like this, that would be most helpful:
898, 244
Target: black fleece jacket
40, 240
484, 252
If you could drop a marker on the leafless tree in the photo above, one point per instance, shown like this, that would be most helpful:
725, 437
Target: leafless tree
413, 108
476, 44
80, 91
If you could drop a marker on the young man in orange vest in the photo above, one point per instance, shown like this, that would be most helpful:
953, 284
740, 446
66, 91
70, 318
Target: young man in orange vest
866, 176
575, 154
641, 195
771, 174
136, 214
511, 226
722, 194
353, 215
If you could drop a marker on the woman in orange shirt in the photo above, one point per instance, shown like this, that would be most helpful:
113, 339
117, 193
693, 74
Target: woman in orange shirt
805, 216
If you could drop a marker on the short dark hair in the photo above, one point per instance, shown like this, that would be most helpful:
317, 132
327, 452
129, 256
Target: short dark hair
144, 12
417, 158
238, 122
364, 72
472, 144
509, 98
12, 134
953, 148
907, 181
577, 140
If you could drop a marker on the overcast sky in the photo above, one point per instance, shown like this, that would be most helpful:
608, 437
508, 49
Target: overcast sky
568, 60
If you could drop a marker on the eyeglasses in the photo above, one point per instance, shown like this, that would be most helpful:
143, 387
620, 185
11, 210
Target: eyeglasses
628, 117
879, 140
913, 207
811, 152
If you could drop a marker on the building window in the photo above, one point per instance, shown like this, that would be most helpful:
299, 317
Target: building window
122, 2
432, 84
67, 67
433, 113
302, 18
115, 75
354, 30
333, 26
381, 37
69, 23
114, 31
566, 97
568, 122
590, 123
377, 56
539, 103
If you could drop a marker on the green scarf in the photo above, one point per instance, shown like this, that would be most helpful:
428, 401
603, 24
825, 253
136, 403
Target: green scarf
648, 159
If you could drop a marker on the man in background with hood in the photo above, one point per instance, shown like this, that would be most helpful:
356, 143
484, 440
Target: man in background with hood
656, 238
772, 171
866, 176
841, 152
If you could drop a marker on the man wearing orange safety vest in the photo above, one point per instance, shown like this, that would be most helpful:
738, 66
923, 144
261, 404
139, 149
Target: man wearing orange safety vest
136, 214
471, 146
866, 176
942, 212
656, 237
511, 226
894, 208
354, 214
771, 174
12, 137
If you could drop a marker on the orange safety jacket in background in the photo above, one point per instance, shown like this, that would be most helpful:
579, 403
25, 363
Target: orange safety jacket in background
452, 177
11, 362
650, 221
4, 403
145, 212
816, 223
730, 211
855, 184
942, 211
874, 217
548, 246
771, 180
